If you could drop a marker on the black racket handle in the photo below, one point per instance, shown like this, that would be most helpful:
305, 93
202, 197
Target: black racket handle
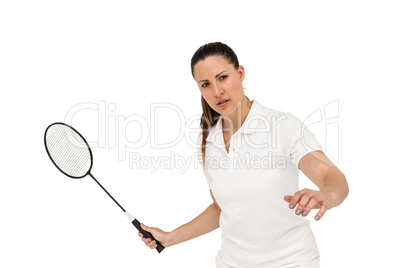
146, 234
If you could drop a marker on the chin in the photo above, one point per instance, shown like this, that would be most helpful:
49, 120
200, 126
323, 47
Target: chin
227, 111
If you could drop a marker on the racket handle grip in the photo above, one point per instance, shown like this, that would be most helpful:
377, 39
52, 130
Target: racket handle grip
146, 234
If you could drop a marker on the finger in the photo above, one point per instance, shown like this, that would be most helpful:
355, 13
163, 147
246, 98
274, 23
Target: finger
302, 203
311, 204
146, 240
321, 212
287, 198
295, 199
143, 226
140, 235
146, 228
151, 243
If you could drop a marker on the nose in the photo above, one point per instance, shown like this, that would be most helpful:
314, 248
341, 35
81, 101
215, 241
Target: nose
218, 90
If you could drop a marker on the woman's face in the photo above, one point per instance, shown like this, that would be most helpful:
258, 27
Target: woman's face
220, 84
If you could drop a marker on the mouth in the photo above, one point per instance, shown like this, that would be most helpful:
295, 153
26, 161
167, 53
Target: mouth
222, 102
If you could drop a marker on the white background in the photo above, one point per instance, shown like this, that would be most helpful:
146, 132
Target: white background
299, 56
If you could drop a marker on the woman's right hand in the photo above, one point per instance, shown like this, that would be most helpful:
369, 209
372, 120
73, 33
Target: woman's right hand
157, 233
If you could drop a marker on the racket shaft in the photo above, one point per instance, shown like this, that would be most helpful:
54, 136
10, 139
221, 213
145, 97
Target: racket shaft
135, 222
103, 188
146, 234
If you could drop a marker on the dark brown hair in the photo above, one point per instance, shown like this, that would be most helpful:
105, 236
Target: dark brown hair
209, 116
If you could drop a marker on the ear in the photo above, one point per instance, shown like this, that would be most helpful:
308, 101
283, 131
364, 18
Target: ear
242, 72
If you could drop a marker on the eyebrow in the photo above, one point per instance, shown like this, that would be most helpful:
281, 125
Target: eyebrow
216, 76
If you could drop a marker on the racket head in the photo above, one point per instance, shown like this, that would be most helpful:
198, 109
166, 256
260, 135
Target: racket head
68, 150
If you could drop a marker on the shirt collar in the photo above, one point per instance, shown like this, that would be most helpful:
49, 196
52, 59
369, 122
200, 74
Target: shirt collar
249, 125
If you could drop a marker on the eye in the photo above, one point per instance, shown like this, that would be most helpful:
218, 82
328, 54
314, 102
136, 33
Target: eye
223, 77
205, 85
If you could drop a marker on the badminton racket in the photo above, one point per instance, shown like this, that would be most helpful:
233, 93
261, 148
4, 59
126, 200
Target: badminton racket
71, 154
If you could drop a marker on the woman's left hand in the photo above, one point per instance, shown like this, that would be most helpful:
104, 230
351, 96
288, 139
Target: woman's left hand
307, 200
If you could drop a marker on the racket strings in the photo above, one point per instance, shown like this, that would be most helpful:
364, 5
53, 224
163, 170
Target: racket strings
68, 151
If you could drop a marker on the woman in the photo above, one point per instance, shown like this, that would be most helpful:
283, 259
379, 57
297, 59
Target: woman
251, 158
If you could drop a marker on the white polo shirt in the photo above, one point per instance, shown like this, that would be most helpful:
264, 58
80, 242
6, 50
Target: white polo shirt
249, 184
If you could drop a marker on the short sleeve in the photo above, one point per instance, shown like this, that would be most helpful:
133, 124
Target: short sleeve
199, 154
296, 139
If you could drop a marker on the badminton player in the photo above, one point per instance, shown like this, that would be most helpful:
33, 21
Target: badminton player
251, 160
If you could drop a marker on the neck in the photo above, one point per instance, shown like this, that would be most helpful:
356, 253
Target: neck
235, 120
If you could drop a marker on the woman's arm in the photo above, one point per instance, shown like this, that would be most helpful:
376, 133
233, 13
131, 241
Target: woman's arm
329, 179
323, 173
204, 223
